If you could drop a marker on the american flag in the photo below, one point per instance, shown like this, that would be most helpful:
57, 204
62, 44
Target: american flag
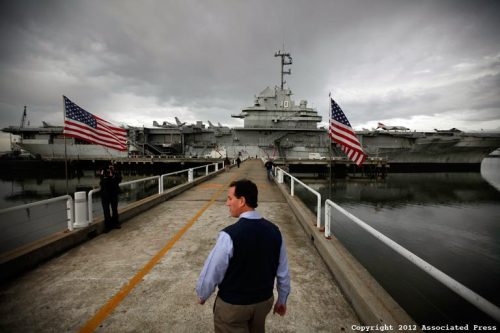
341, 132
81, 124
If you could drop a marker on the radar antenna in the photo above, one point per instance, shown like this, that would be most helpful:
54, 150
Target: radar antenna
286, 59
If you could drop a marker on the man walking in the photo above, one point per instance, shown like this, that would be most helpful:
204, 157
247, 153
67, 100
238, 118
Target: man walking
248, 256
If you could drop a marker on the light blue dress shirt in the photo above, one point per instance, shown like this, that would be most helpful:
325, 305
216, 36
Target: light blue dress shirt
218, 261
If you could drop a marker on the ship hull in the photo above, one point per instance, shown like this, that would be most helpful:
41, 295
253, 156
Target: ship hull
431, 148
72, 151
418, 150
422, 150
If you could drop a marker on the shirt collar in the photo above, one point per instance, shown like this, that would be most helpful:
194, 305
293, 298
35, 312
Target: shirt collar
251, 214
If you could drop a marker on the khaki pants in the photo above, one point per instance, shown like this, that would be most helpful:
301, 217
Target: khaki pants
229, 318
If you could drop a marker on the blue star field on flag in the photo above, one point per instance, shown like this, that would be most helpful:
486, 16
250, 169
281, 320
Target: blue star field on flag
75, 112
338, 115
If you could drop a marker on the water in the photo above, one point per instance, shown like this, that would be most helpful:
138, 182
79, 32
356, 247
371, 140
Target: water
21, 227
19, 189
451, 220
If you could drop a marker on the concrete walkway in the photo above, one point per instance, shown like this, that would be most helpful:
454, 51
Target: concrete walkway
142, 277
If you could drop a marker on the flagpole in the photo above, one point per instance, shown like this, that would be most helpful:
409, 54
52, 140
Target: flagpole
65, 153
330, 146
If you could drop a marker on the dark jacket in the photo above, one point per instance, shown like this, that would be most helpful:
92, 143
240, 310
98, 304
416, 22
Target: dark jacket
110, 183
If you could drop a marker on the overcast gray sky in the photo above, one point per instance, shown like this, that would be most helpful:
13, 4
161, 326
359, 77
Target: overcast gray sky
421, 64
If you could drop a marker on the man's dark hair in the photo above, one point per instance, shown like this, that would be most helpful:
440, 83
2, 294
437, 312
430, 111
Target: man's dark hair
246, 188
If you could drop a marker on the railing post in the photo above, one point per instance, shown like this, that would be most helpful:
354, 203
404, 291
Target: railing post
80, 210
318, 214
216, 166
292, 187
190, 175
280, 176
206, 170
327, 220
90, 204
69, 208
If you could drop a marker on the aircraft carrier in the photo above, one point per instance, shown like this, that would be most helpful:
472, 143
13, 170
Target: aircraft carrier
275, 126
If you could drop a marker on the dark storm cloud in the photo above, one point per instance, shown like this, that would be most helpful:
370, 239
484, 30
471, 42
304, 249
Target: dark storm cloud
133, 62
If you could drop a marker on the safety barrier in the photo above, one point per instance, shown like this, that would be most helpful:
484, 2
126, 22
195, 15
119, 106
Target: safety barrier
34, 220
17, 222
469, 295
280, 174
472, 297
161, 179
91, 193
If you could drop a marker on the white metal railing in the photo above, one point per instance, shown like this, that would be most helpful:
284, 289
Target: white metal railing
69, 207
280, 172
190, 172
90, 204
26, 223
472, 297
84, 208
216, 165
162, 177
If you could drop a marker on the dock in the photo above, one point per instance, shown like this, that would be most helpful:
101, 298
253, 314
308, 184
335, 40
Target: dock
142, 277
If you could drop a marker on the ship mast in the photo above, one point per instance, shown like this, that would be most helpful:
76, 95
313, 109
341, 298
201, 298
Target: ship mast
23, 118
286, 59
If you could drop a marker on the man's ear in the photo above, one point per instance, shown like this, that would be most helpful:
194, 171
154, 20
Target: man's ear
243, 201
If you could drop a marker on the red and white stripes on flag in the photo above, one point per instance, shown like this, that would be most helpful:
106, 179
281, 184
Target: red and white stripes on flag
81, 124
341, 132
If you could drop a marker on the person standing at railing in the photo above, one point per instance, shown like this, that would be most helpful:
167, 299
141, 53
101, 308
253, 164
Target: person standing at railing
248, 256
227, 163
238, 161
110, 189
269, 167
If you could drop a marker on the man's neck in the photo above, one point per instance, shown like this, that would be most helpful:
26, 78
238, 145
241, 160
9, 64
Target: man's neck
250, 214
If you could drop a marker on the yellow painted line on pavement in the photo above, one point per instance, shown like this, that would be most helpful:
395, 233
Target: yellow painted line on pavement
99, 317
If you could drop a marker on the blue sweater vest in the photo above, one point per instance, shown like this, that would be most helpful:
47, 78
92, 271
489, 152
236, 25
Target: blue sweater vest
251, 272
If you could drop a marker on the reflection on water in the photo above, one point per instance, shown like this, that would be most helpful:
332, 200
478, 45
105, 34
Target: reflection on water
18, 191
24, 189
24, 226
416, 189
451, 220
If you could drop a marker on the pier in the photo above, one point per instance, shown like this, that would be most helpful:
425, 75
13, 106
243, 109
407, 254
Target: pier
141, 278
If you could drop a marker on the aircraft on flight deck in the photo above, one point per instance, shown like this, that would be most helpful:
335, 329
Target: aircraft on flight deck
165, 124
179, 122
392, 128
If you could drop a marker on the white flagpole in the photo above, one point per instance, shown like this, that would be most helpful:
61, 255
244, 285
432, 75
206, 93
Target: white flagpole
65, 153
330, 144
